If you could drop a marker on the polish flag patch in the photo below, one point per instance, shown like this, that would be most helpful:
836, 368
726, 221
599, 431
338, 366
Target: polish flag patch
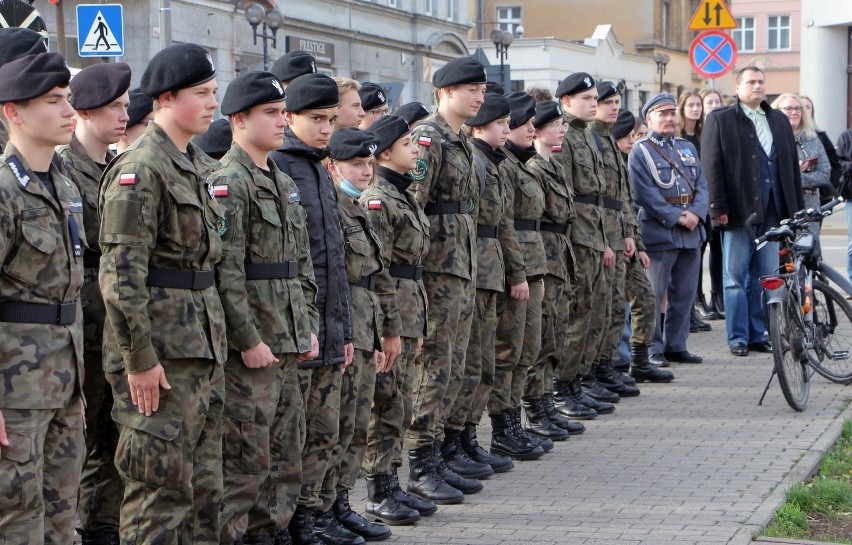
556, 148
220, 190
424, 141
374, 204
127, 179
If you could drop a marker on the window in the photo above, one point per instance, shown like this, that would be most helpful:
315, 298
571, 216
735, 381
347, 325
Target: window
452, 10
779, 32
743, 35
432, 8
666, 17
393, 3
509, 18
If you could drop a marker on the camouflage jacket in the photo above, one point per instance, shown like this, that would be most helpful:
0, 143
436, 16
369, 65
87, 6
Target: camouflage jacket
525, 201
490, 212
558, 209
265, 224
158, 211
403, 230
634, 208
619, 224
582, 165
41, 365
4, 137
374, 312
446, 176
86, 175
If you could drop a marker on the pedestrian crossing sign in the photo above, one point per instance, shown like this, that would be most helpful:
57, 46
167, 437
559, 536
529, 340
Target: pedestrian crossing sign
100, 30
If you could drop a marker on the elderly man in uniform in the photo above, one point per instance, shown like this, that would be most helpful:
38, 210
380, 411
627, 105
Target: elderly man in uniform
672, 194
41, 339
99, 94
164, 342
16, 42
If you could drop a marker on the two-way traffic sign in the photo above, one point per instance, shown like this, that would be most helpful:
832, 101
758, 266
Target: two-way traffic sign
712, 14
100, 30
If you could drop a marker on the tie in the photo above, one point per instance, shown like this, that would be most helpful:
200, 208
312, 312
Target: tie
761, 133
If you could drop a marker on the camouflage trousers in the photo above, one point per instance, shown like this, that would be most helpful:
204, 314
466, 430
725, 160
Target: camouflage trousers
280, 492
517, 345
438, 377
555, 309
101, 489
640, 296
617, 314
588, 314
251, 398
321, 395
479, 363
171, 461
40, 474
391, 412
356, 399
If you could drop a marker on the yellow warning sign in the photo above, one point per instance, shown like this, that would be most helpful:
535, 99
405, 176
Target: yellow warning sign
712, 14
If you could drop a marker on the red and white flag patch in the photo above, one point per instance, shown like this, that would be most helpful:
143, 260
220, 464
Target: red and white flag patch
220, 190
558, 147
127, 179
374, 204
424, 141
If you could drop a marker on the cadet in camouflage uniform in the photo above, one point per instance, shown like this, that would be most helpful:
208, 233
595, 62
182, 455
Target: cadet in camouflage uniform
17, 42
165, 342
139, 113
99, 94
41, 339
446, 187
403, 231
266, 283
582, 166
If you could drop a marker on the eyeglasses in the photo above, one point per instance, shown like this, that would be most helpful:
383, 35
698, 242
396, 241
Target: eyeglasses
379, 112
791, 109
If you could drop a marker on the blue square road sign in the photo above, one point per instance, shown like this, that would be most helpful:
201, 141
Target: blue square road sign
100, 30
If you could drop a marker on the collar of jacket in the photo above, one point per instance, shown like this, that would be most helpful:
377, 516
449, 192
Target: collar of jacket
767, 109
575, 122
522, 154
400, 181
180, 158
602, 128
496, 156
661, 140
292, 144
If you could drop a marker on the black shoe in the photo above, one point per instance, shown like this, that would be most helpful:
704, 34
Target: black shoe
355, 523
424, 507
424, 481
281, 537
331, 532
580, 396
573, 428
611, 380
543, 442
539, 423
642, 369
99, 538
705, 308
569, 406
383, 507
718, 302
596, 390
457, 459
624, 374
302, 526
739, 349
658, 360
500, 464
462, 484
684, 356
696, 324
763, 346
506, 442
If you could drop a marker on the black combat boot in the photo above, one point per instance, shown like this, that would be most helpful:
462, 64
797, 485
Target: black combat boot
424, 507
383, 507
500, 464
539, 423
465, 485
458, 460
642, 369
580, 396
99, 538
611, 380
543, 442
596, 390
505, 442
331, 532
282, 537
550, 407
424, 481
567, 405
355, 523
302, 526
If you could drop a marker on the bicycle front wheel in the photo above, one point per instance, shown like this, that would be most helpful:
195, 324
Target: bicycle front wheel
788, 342
832, 334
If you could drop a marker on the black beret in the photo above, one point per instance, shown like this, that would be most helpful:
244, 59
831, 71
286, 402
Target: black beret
545, 112
177, 67
250, 89
523, 108
494, 107
624, 124
606, 89
372, 96
658, 101
140, 106
387, 130
494, 87
575, 83
463, 70
312, 91
294, 64
217, 140
32, 76
18, 42
99, 84
347, 143
413, 111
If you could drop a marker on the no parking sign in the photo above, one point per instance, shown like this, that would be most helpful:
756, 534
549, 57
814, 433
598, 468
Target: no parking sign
713, 54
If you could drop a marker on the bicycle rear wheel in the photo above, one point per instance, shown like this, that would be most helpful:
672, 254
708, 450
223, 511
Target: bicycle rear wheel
788, 340
832, 334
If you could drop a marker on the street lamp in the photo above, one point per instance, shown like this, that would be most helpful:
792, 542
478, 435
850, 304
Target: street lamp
272, 19
662, 60
502, 40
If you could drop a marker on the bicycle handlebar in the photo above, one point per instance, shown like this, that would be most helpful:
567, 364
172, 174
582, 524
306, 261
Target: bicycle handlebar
798, 222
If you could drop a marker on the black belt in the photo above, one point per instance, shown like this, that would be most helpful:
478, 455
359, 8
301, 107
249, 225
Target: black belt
527, 225
269, 271
91, 260
38, 313
439, 208
368, 282
486, 231
411, 272
182, 280
561, 228
599, 200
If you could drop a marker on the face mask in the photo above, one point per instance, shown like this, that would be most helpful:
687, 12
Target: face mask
350, 189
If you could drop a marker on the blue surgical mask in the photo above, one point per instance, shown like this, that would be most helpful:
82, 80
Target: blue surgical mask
350, 189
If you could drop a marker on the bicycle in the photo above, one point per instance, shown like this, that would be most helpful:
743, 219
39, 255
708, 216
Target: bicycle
810, 323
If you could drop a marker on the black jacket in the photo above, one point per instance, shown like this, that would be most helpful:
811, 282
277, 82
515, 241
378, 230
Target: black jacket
729, 157
844, 154
304, 164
